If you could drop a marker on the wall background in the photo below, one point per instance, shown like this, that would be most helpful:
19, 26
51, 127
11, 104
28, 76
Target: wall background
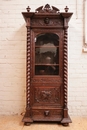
13, 55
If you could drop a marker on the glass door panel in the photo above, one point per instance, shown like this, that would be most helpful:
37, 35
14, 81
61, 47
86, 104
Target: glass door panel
47, 54
46, 70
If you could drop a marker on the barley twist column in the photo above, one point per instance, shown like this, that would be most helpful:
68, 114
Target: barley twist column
28, 68
65, 67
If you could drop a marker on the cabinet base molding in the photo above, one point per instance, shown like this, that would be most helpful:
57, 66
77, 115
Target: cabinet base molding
66, 121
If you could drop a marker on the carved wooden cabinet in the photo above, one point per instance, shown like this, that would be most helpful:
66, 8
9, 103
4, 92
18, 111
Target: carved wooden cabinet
46, 66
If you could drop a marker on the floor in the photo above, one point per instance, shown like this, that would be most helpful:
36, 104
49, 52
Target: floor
14, 123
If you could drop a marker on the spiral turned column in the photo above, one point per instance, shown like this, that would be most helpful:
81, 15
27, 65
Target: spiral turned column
65, 67
28, 68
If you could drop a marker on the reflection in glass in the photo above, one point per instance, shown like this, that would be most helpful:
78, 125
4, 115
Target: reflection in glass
47, 54
46, 70
47, 38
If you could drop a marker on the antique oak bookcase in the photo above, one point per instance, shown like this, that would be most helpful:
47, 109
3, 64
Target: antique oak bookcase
47, 65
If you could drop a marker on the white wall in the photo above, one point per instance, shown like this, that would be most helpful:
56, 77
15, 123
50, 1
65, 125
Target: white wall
13, 55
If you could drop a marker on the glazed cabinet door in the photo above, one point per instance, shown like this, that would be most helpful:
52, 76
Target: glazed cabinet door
47, 73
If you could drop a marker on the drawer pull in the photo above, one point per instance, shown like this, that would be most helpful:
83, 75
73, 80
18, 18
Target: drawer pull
46, 113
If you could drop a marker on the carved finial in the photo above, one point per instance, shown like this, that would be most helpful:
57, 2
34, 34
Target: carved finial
28, 9
66, 9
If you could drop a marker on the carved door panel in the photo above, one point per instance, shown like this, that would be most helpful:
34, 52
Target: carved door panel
47, 95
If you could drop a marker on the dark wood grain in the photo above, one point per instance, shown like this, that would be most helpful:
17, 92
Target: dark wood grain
46, 92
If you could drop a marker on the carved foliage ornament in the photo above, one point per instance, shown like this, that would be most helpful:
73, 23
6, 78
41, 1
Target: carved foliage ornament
50, 95
46, 21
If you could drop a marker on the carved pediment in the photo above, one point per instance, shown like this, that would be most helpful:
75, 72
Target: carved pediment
47, 9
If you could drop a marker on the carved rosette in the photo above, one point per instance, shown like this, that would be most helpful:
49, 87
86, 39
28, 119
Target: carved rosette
28, 67
65, 67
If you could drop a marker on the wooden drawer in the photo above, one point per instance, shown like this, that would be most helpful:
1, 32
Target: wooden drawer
47, 114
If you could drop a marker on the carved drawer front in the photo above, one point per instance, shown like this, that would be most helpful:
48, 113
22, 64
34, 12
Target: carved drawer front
47, 114
47, 95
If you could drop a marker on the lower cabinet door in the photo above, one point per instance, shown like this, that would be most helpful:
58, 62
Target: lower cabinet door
47, 96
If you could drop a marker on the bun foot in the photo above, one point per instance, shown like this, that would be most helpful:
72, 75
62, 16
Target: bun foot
27, 123
65, 124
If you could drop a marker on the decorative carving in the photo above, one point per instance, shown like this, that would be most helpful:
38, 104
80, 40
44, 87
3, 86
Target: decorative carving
50, 95
45, 95
47, 9
28, 67
65, 67
46, 80
46, 22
